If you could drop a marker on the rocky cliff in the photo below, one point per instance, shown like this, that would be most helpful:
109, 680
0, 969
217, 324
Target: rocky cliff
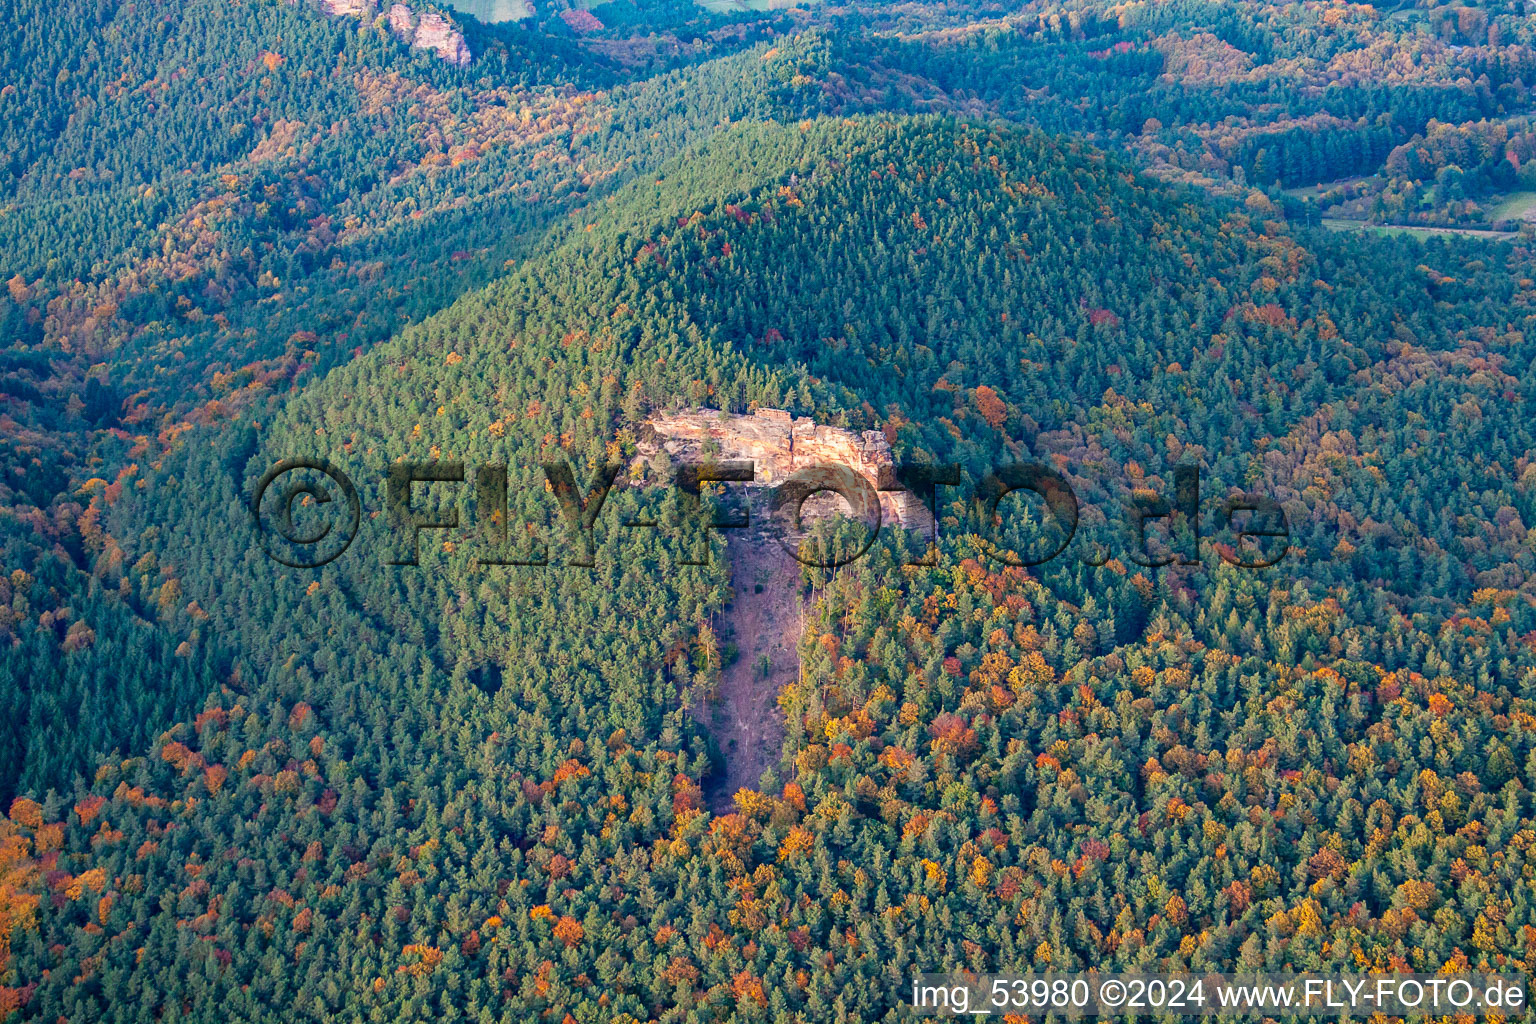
431, 30
778, 444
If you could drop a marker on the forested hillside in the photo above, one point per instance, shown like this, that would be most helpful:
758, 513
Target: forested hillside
460, 790
186, 283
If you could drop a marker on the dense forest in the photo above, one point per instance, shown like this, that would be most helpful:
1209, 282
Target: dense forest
465, 789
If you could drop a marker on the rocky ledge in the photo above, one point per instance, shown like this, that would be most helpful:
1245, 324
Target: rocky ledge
430, 30
778, 444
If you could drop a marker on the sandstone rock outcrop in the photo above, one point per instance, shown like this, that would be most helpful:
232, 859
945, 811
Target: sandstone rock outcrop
436, 33
778, 444
432, 31
402, 22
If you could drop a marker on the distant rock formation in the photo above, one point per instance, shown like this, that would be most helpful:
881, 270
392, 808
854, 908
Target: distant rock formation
432, 31
778, 444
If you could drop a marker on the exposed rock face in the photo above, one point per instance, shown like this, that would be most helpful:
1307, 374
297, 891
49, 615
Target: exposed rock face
401, 22
431, 32
778, 444
434, 32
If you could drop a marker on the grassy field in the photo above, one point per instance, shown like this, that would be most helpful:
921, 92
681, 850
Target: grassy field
1516, 206
492, 11
1339, 224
